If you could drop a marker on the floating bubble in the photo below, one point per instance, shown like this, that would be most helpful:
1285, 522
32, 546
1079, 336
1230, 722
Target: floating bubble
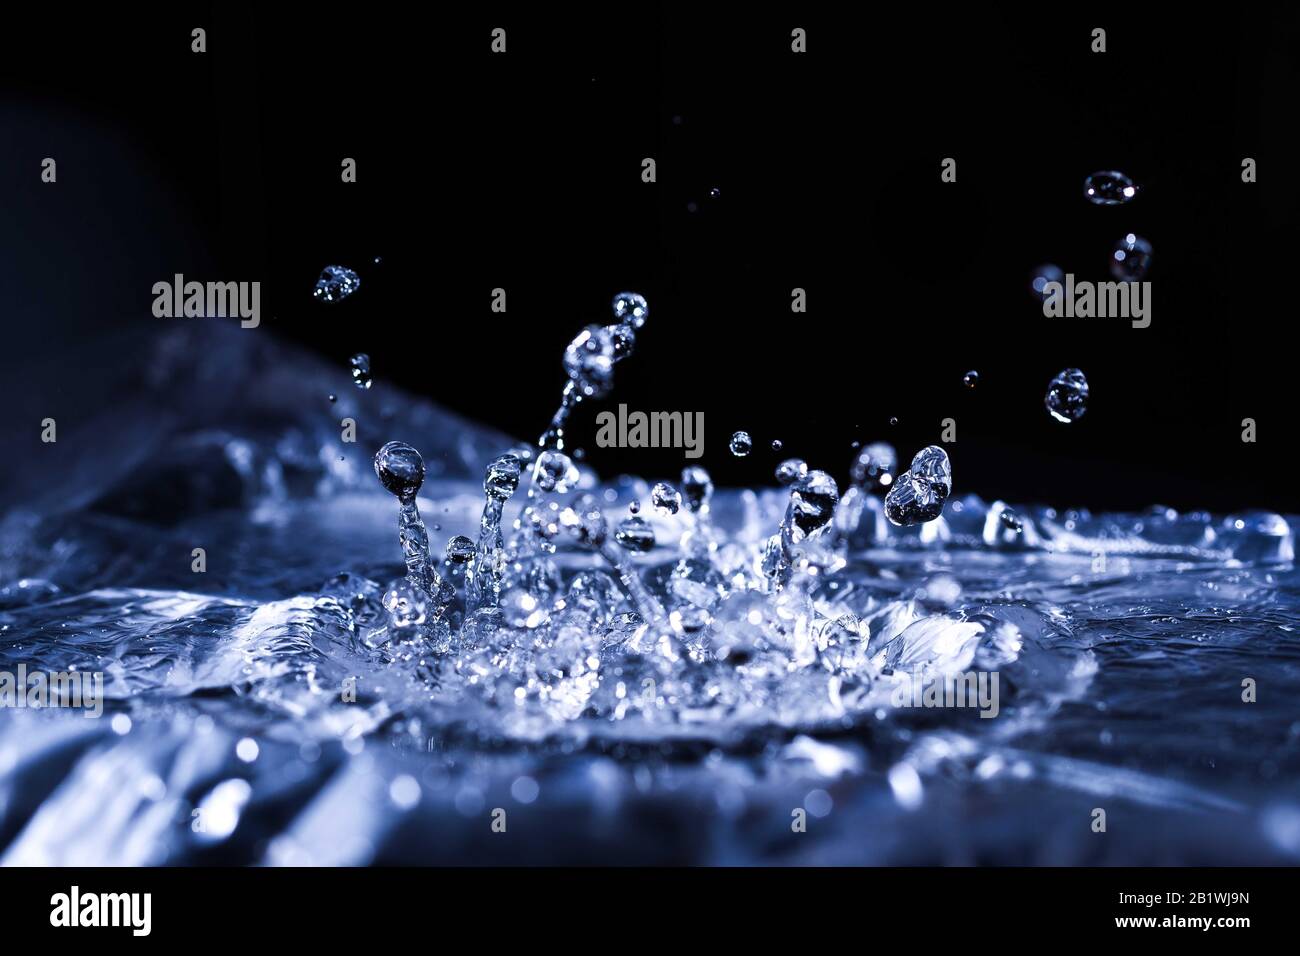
919, 493
1067, 396
741, 444
971, 379
361, 370
1131, 258
631, 308
400, 469
635, 534
336, 283
1109, 188
791, 470
666, 498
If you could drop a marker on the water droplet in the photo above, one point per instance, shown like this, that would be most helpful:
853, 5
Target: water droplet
1131, 258
971, 379
336, 283
1011, 520
589, 361
634, 507
874, 466
893, 421
361, 370
791, 470
776, 444
623, 338
666, 498
1067, 396
635, 534
1042, 276
1109, 188
460, 550
919, 493
812, 502
405, 605
333, 397
501, 478
400, 469
555, 471
697, 488
631, 308
741, 444
715, 192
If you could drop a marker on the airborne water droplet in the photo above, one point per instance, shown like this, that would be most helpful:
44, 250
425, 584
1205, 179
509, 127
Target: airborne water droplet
1109, 188
1067, 396
1131, 258
336, 283
791, 470
919, 493
666, 498
741, 444
460, 550
631, 308
1042, 276
971, 379
361, 370
400, 469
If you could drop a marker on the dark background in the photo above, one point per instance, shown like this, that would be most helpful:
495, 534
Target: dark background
522, 171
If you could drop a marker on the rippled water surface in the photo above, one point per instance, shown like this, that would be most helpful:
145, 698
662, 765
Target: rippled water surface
685, 703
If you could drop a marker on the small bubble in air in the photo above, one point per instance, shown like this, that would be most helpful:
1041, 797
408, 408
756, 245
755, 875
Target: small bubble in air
741, 444
893, 421
361, 370
777, 444
715, 192
666, 498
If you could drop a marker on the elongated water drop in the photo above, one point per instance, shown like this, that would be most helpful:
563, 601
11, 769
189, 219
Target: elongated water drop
666, 498
919, 493
1109, 188
484, 578
361, 370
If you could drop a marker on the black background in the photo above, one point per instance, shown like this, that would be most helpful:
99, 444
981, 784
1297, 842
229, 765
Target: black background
522, 171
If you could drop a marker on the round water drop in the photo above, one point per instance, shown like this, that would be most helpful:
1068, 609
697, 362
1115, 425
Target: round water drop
460, 550
556, 472
589, 360
1043, 275
361, 370
631, 308
1131, 258
1067, 396
741, 444
715, 192
336, 283
502, 477
791, 470
634, 506
333, 397
971, 379
400, 469
893, 421
666, 498
635, 534
776, 444
1109, 188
